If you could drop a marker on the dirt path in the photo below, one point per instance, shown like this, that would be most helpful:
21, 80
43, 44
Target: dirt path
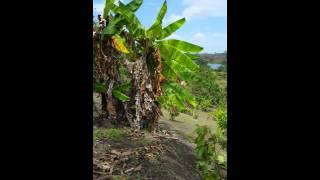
185, 124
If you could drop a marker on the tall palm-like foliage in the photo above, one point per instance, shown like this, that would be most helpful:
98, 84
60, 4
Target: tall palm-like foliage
156, 65
106, 62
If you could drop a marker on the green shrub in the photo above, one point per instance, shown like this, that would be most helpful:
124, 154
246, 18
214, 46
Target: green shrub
176, 100
174, 112
204, 103
204, 85
209, 161
220, 115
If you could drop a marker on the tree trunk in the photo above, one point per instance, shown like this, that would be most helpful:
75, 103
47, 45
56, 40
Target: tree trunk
107, 71
147, 112
103, 101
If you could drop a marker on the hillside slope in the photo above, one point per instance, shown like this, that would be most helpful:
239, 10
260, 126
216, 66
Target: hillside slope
219, 58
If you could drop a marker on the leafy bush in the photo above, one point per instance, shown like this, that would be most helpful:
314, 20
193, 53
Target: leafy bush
170, 103
204, 103
211, 164
173, 112
220, 115
176, 100
204, 86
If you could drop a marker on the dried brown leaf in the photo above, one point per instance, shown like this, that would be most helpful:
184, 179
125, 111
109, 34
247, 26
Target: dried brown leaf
149, 155
116, 152
126, 153
129, 170
111, 170
123, 159
111, 109
138, 168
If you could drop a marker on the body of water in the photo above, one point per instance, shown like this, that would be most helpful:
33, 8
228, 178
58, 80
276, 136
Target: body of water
215, 66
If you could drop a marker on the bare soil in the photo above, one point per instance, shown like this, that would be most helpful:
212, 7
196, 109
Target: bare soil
164, 156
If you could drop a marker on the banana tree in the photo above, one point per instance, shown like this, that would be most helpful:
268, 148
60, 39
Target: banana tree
155, 63
108, 52
177, 63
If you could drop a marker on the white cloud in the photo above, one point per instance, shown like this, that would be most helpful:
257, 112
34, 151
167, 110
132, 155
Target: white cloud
211, 42
201, 9
198, 36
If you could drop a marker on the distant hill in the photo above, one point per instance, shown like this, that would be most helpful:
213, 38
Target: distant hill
220, 58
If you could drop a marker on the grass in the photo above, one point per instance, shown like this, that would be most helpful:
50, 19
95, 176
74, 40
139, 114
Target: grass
222, 78
108, 134
190, 138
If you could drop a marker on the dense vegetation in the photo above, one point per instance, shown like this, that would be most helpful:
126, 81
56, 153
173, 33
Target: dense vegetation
155, 65
138, 71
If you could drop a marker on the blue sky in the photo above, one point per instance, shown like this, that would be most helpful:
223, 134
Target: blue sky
206, 23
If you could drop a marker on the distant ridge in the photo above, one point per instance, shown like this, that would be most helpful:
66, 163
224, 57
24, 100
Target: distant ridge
220, 58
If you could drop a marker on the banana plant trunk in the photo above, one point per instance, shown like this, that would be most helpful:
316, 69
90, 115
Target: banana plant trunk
107, 71
103, 98
146, 87
147, 112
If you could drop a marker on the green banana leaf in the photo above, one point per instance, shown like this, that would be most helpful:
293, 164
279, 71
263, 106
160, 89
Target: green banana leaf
173, 98
182, 45
192, 56
114, 25
99, 88
119, 95
123, 87
134, 5
169, 52
182, 94
134, 24
173, 27
107, 7
177, 70
156, 27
